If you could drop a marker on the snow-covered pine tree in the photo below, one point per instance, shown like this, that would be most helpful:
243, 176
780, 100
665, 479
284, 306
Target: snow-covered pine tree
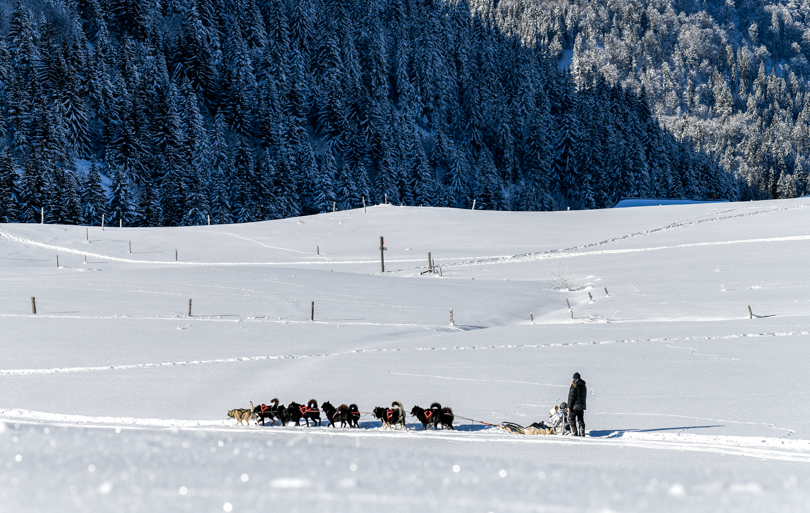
8, 188
94, 201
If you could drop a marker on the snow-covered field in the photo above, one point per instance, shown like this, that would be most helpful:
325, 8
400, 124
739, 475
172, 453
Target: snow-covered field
113, 399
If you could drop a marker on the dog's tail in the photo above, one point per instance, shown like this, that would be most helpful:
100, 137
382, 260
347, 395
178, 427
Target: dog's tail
435, 406
252, 408
343, 408
312, 404
398, 405
353, 407
448, 410
274, 402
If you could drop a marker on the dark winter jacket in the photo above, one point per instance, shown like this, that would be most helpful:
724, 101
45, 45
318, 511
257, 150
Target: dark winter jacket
577, 395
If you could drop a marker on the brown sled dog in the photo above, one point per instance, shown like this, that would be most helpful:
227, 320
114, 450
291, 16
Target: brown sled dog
241, 414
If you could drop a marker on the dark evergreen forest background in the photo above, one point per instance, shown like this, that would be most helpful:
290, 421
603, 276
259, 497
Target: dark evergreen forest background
163, 112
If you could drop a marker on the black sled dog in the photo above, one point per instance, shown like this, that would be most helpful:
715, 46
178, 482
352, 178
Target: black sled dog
391, 417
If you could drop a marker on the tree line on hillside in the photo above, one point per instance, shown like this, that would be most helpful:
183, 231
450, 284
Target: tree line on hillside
730, 77
166, 112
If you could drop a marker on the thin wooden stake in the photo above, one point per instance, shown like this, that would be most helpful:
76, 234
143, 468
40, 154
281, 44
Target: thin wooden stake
312, 314
452, 321
57, 261
33, 305
334, 208
571, 312
386, 198
85, 259
590, 296
120, 223
531, 317
440, 273
567, 303
102, 222
606, 292
189, 307
750, 313
430, 263
87, 234
364, 205
209, 219
318, 249
382, 255
130, 246
473, 205
175, 255
42, 215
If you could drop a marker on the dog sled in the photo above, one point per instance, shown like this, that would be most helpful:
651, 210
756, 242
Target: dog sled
557, 424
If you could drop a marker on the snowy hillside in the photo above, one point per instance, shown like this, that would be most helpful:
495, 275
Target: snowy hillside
114, 399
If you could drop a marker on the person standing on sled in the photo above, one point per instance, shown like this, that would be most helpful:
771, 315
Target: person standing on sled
576, 405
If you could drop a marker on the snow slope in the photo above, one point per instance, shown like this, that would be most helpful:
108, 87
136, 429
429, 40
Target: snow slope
113, 399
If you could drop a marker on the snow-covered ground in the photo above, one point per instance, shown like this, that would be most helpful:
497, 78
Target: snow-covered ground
113, 399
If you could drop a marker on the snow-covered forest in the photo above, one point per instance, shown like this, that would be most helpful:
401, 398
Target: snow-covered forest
165, 112
729, 76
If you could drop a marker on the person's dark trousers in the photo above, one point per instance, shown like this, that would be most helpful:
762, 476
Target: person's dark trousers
576, 418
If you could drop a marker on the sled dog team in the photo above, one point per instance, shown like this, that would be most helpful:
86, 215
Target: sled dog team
391, 418
569, 417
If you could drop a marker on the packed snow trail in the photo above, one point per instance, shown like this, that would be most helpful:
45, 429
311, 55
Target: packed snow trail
752, 447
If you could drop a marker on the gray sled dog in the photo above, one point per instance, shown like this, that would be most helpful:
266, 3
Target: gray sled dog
241, 414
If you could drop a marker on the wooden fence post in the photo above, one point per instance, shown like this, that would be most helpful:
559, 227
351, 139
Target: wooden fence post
85, 259
571, 313
590, 296
452, 321
120, 223
386, 198
567, 303
364, 205
473, 207
87, 234
189, 307
430, 263
42, 215
382, 255
33, 305
102, 222
57, 261
334, 208
312, 313
175, 255
209, 219
750, 313
318, 250
531, 317
130, 246
606, 292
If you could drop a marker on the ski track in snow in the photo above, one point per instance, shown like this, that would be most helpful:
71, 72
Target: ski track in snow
564, 252
752, 447
68, 370
466, 261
